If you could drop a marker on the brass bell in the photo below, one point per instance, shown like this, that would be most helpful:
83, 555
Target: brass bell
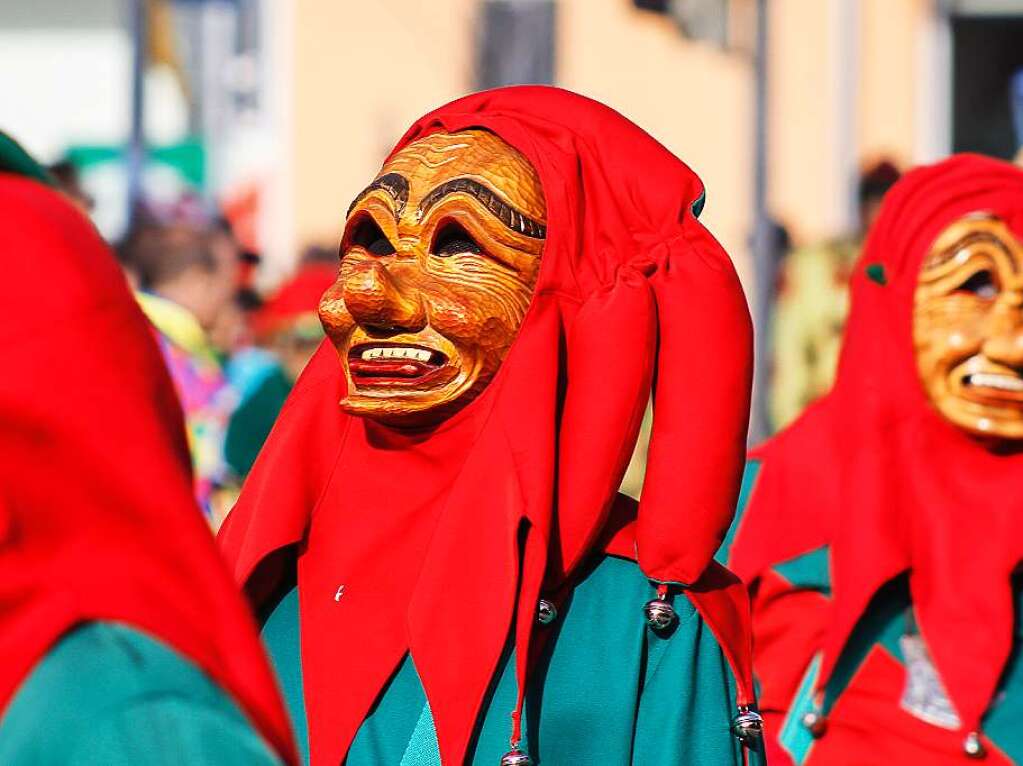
516, 757
973, 747
546, 612
748, 725
659, 614
815, 723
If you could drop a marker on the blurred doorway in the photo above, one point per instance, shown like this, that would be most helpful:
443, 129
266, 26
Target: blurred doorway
987, 54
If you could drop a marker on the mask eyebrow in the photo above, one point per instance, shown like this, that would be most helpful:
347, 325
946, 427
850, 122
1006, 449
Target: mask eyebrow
973, 238
505, 213
395, 184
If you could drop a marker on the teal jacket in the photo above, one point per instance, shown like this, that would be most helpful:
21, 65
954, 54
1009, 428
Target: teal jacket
109, 695
609, 690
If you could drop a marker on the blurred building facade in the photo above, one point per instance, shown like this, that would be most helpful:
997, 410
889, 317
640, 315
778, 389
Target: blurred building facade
295, 103
849, 81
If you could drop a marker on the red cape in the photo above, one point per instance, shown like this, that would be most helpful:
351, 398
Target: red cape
876, 473
97, 517
444, 541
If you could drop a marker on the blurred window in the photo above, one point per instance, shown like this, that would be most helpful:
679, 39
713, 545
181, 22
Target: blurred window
516, 43
987, 55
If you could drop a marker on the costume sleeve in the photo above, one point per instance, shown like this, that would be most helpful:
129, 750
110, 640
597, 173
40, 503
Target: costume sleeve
171, 731
111, 695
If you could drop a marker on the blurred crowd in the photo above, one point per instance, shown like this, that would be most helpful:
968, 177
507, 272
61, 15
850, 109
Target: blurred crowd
811, 302
233, 352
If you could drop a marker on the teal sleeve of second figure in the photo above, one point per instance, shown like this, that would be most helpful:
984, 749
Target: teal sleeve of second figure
170, 732
110, 694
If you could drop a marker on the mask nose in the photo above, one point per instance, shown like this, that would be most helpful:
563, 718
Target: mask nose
380, 303
1005, 344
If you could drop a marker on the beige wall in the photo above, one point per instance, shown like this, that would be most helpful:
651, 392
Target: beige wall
844, 82
362, 72
889, 62
804, 129
694, 98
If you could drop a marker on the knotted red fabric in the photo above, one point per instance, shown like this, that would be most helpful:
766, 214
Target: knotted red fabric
97, 516
440, 542
876, 473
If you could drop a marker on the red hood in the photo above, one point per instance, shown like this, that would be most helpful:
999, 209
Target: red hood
97, 517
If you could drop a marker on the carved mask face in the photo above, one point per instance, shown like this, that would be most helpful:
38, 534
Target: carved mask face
968, 327
438, 262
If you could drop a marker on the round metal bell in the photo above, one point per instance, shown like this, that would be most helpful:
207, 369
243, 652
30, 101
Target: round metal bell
748, 725
973, 747
659, 614
815, 723
546, 612
516, 758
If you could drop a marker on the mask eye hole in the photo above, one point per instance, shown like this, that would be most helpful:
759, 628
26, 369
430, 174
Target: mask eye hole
369, 237
982, 284
453, 240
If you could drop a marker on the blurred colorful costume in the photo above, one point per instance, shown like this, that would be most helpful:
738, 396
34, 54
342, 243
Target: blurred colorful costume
201, 387
812, 304
289, 325
880, 537
806, 329
123, 639
451, 575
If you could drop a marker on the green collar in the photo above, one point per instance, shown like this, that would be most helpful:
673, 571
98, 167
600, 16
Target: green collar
14, 159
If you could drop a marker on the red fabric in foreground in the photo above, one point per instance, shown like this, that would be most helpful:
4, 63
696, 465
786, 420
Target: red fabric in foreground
875, 472
444, 540
97, 517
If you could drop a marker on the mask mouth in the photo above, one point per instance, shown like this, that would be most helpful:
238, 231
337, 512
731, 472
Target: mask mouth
394, 363
995, 385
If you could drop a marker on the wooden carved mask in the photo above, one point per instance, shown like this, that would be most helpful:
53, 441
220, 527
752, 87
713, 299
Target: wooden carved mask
968, 327
439, 259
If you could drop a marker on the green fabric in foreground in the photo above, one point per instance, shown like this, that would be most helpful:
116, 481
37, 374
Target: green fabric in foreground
609, 690
109, 695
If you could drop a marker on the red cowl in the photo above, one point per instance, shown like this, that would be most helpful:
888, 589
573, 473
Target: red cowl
97, 516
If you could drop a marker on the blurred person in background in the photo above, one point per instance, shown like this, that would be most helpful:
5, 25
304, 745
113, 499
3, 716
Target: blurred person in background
69, 182
123, 640
287, 328
881, 532
188, 279
811, 306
